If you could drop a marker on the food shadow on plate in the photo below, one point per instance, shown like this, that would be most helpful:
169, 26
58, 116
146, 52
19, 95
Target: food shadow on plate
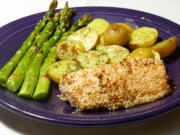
172, 63
173, 57
51, 91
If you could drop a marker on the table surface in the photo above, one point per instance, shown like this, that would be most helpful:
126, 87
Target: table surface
14, 124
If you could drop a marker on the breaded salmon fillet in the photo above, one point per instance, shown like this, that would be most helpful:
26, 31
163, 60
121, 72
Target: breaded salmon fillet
113, 86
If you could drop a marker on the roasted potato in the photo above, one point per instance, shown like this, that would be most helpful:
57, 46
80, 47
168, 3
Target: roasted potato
87, 36
130, 28
116, 53
143, 53
143, 37
100, 45
166, 47
58, 69
156, 55
92, 59
116, 34
69, 50
99, 24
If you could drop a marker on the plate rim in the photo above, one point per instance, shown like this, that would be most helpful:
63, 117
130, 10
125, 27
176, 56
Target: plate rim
14, 109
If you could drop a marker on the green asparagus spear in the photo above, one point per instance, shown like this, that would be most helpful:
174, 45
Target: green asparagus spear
14, 82
32, 74
20, 73
43, 84
12, 63
48, 30
28, 86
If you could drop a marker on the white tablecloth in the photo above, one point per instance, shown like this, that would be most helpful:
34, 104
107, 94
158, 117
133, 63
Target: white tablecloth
14, 124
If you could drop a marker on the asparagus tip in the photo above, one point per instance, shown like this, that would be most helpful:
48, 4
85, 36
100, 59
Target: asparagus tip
53, 5
66, 5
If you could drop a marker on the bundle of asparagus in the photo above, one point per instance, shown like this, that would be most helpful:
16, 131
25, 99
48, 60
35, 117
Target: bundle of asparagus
12, 63
16, 78
31, 62
32, 74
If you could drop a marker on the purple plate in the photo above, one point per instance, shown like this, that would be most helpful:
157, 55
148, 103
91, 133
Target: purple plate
56, 111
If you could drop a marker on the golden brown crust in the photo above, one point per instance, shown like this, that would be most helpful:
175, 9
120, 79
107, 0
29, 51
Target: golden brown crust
113, 86
147, 83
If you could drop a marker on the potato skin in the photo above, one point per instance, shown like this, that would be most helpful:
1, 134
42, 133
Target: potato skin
141, 53
130, 28
116, 34
166, 47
